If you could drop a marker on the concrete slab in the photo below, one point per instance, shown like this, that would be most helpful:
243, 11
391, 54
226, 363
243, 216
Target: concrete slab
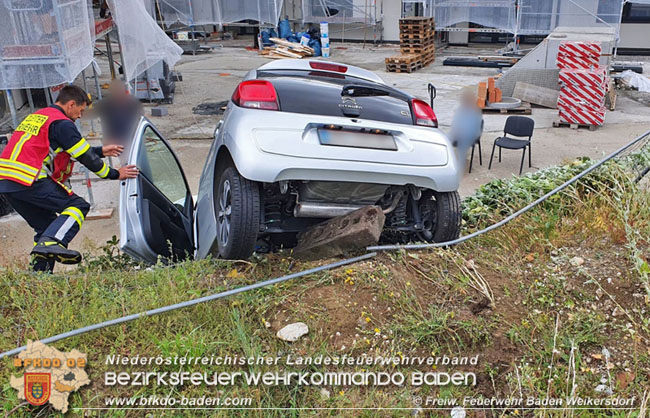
340, 235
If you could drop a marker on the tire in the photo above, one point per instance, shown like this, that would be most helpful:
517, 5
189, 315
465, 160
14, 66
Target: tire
441, 215
237, 206
448, 216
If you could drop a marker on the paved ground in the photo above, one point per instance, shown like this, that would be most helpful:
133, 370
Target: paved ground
212, 77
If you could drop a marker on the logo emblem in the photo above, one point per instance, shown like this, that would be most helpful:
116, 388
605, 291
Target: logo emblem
349, 103
37, 388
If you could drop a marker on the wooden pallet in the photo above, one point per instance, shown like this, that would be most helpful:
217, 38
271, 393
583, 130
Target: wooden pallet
404, 68
416, 28
524, 109
558, 124
421, 50
403, 59
416, 20
415, 43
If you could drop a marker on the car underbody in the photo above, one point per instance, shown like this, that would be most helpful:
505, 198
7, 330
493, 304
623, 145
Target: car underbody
289, 207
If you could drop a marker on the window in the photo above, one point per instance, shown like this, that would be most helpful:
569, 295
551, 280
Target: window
636, 13
158, 164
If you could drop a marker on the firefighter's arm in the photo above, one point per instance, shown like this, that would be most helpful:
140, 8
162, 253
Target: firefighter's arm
86, 155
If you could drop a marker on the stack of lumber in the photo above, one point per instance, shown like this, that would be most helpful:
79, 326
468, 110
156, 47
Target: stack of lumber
416, 45
286, 49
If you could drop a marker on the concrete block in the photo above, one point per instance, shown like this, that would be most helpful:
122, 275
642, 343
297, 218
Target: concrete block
337, 236
159, 111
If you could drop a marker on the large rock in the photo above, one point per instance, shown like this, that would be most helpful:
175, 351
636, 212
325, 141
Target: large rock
293, 332
337, 236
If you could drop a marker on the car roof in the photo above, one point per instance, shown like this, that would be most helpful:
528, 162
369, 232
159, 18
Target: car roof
305, 65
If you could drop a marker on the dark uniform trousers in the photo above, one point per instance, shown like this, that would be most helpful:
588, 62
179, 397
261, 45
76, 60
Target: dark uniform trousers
39, 206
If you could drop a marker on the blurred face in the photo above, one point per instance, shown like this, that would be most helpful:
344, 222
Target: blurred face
72, 109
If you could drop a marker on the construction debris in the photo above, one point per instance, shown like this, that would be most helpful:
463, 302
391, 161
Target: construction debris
339, 235
541, 96
417, 45
286, 49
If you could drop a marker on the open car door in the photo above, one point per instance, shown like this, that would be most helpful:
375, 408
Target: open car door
156, 208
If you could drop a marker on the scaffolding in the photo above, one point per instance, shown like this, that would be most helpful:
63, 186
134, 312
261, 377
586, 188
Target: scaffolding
526, 17
214, 12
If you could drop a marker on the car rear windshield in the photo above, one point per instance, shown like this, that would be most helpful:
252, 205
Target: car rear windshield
320, 93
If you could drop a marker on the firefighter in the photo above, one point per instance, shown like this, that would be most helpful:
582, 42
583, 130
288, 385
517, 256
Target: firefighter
34, 169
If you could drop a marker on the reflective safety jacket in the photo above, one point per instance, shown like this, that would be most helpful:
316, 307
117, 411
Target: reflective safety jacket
41, 158
23, 157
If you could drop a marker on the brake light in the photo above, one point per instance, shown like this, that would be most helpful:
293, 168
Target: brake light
256, 94
327, 66
423, 114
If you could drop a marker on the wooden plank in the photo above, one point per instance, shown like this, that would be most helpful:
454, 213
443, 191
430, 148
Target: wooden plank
524, 109
99, 214
535, 94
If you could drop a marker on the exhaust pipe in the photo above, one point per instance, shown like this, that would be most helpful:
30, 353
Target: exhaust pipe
322, 210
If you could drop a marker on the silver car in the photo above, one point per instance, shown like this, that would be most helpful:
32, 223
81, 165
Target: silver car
300, 142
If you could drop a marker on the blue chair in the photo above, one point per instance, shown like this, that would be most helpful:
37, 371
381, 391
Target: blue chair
519, 126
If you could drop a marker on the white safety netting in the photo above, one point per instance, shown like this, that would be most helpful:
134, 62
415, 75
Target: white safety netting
541, 17
338, 11
534, 17
214, 12
44, 43
490, 13
143, 43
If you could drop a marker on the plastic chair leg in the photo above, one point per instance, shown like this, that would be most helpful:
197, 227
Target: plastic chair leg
492, 155
521, 166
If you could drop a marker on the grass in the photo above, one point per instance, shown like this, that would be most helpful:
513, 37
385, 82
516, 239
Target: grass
540, 327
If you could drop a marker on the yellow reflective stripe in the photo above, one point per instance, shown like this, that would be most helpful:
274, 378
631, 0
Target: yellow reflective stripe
103, 172
7, 172
42, 175
79, 148
16, 165
74, 213
19, 146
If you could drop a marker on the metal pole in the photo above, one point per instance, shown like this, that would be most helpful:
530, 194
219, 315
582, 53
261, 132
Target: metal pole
97, 87
109, 52
12, 108
618, 27
89, 186
48, 98
30, 99
85, 84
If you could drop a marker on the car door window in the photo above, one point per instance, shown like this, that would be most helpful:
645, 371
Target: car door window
158, 164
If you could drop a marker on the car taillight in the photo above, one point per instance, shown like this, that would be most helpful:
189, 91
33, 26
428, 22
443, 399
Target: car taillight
423, 114
256, 94
327, 66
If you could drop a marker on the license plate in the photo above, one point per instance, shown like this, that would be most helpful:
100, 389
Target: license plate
356, 139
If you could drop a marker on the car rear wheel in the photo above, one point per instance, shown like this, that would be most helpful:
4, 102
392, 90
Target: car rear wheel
238, 215
442, 216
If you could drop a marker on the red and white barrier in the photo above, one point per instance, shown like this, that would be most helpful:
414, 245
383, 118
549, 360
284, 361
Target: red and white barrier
596, 77
576, 61
586, 95
572, 112
583, 83
581, 49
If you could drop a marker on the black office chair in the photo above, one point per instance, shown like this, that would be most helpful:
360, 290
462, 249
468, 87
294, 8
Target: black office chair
480, 153
520, 126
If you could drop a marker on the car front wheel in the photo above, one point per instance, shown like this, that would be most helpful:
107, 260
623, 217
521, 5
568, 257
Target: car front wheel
238, 215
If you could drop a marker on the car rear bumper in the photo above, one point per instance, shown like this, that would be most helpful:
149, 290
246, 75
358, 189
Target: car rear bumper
274, 146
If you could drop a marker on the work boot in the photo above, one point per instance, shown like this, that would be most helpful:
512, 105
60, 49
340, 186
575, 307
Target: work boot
52, 249
42, 264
